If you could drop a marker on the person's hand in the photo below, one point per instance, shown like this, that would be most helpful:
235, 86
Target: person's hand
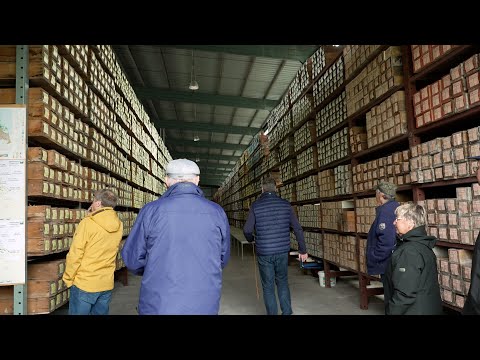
303, 257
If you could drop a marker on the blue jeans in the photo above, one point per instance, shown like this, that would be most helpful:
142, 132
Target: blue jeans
274, 270
89, 303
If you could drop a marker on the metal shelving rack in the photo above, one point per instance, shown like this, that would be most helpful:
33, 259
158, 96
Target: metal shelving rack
414, 191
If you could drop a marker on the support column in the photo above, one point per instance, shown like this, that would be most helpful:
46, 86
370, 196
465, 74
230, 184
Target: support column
21, 97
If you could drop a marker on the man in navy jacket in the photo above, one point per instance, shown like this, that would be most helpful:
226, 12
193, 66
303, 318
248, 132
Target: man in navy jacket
272, 217
180, 243
382, 236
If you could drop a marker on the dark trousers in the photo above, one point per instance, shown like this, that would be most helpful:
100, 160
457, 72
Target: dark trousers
274, 271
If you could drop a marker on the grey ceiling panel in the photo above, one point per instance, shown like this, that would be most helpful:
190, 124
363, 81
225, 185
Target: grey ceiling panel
187, 108
263, 72
155, 80
148, 62
174, 134
222, 120
175, 63
228, 152
223, 111
257, 123
167, 105
235, 69
231, 86
247, 139
234, 138
248, 113
218, 137
255, 89
179, 82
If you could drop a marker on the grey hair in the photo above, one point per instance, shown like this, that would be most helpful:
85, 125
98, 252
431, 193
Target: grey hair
412, 212
107, 197
269, 184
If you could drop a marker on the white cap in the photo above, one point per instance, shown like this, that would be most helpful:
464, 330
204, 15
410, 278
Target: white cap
182, 169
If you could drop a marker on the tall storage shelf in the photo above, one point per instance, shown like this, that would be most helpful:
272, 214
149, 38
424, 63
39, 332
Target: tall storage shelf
405, 114
86, 131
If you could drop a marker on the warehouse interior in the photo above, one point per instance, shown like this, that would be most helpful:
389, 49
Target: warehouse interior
328, 122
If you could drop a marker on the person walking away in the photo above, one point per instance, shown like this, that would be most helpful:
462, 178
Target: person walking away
411, 276
180, 243
382, 235
90, 262
472, 302
271, 217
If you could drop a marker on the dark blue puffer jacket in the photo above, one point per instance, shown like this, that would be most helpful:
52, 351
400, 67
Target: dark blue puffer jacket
382, 238
272, 217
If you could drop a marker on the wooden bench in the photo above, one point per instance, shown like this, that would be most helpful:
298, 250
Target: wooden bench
239, 239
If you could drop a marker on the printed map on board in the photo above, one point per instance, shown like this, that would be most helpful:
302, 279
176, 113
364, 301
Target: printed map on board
12, 133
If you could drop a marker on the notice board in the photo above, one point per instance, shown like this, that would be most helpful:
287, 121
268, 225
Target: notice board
13, 144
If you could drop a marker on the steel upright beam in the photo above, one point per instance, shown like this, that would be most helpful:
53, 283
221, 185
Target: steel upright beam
21, 97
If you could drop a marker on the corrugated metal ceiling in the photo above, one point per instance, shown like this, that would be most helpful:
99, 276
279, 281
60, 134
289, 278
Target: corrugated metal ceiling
232, 79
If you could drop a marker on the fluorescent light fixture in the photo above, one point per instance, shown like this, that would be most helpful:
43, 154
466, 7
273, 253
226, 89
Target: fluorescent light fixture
193, 85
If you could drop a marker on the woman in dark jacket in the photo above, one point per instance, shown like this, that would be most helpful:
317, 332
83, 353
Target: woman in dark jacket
411, 278
472, 301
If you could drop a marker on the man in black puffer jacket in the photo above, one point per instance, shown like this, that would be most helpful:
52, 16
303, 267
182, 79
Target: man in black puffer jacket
472, 301
272, 217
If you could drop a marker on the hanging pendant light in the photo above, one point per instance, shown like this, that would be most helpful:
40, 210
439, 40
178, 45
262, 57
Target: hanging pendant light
195, 136
193, 82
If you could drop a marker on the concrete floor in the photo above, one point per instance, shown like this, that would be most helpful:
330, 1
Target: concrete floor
239, 294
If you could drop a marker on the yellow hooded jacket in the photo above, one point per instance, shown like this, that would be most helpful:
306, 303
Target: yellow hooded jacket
90, 264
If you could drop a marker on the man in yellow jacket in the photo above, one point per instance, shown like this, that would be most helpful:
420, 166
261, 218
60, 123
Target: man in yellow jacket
90, 265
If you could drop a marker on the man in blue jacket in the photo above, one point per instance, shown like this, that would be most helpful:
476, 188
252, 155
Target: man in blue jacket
382, 236
272, 217
180, 243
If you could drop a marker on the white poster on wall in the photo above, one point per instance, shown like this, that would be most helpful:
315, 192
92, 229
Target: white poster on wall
12, 194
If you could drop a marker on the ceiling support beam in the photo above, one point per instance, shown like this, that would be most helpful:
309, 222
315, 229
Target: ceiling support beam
206, 174
207, 144
218, 128
210, 183
213, 177
218, 167
285, 52
204, 98
193, 156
